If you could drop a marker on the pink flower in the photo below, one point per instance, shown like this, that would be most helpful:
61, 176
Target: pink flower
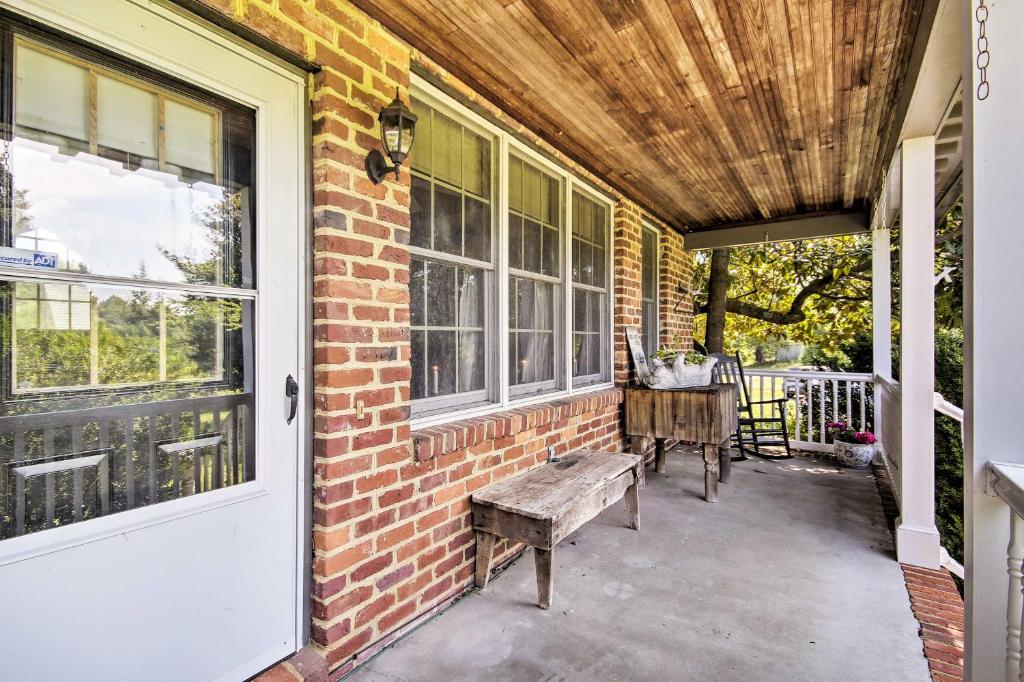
864, 437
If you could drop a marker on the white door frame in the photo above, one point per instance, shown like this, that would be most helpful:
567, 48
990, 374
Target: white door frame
93, 27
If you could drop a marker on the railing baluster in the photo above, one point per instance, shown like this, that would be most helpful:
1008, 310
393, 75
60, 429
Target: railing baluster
176, 457
822, 388
1015, 603
197, 457
218, 476
849, 401
49, 452
152, 459
129, 461
796, 413
863, 405
76, 476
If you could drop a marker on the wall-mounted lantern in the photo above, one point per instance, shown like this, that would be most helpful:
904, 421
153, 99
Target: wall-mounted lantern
397, 127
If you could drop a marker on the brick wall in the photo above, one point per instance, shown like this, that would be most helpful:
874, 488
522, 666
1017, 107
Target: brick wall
626, 268
392, 540
675, 303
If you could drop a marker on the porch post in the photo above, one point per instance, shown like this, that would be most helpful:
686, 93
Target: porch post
917, 540
881, 303
993, 323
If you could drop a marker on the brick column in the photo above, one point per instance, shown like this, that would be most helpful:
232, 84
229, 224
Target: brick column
361, 335
675, 303
626, 277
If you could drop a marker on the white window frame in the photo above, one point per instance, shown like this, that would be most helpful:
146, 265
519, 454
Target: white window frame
500, 394
648, 227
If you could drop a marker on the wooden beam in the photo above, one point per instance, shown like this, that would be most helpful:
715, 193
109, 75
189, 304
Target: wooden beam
790, 229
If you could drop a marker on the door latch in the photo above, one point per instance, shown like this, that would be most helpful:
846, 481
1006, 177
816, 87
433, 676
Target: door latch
291, 391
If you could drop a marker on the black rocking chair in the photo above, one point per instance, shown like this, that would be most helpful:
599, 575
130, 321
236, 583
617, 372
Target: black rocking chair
762, 423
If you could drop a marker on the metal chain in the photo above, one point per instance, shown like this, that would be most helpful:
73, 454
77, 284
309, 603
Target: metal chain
983, 59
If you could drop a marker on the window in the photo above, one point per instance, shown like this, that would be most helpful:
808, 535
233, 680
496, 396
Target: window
451, 274
590, 290
126, 368
535, 284
124, 178
494, 315
649, 290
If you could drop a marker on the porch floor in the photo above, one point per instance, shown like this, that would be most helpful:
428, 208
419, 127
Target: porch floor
791, 576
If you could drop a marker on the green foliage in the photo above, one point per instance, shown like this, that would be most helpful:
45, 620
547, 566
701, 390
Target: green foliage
949, 452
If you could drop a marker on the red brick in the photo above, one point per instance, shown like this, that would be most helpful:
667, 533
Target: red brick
371, 567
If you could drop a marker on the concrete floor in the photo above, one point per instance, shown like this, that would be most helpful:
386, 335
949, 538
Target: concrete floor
791, 576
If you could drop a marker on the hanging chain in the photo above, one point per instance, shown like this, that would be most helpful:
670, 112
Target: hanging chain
983, 58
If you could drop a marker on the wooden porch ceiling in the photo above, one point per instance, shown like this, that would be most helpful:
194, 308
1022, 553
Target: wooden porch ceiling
707, 113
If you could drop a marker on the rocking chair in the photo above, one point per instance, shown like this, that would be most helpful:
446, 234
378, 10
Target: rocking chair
761, 422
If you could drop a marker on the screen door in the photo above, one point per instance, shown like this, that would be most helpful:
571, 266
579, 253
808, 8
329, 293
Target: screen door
148, 458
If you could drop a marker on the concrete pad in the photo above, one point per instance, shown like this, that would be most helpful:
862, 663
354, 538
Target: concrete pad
790, 576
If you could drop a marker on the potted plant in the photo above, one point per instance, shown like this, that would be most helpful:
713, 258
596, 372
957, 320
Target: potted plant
853, 449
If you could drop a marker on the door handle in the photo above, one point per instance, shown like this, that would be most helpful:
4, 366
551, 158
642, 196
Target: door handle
291, 391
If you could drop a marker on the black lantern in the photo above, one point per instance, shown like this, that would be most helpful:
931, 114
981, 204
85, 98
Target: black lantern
397, 127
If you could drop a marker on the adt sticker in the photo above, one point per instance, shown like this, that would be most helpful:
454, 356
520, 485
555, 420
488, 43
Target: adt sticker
27, 258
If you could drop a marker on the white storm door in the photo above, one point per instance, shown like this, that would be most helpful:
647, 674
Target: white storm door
150, 282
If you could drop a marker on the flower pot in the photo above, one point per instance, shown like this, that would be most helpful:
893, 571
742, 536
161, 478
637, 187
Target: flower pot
854, 455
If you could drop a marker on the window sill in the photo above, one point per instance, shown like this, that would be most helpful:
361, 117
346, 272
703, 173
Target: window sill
433, 441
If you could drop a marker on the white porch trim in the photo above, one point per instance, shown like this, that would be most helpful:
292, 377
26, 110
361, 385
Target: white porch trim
917, 540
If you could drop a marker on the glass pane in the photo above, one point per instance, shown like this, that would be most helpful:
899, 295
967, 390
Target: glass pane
598, 266
417, 288
531, 246
126, 123
119, 213
419, 213
544, 363
576, 260
471, 361
579, 310
447, 221
594, 315
418, 388
553, 202
527, 370
441, 363
447, 149
131, 397
515, 241
531, 192
191, 134
471, 298
586, 264
515, 184
441, 303
478, 230
420, 156
476, 158
52, 104
550, 253
545, 295
524, 304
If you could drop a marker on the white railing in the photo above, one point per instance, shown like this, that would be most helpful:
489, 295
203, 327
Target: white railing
943, 406
1006, 481
816, 398
890, 416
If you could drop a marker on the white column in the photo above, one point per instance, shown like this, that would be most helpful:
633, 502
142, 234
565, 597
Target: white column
917, 540
881, 304
993, 319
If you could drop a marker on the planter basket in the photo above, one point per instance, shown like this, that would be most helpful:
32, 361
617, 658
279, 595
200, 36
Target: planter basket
680, 374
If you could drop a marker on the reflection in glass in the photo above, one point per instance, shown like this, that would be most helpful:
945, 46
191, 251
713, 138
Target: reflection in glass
118, 396
127, 197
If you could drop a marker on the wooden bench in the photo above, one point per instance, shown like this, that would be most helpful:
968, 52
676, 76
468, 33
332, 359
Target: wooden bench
542, 506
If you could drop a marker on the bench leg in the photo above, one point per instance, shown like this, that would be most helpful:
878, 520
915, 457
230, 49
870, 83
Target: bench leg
711, 472
659, 455
484, 556
632, 499
545, 576
636, 446
724, 462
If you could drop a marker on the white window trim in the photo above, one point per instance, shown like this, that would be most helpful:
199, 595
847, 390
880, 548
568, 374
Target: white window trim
648, 227
435, 98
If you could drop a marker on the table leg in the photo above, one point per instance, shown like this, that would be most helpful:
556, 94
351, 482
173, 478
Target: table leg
545, 576
724, 462
484, 556
659, 455
632, 499
711, 472
636, 446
